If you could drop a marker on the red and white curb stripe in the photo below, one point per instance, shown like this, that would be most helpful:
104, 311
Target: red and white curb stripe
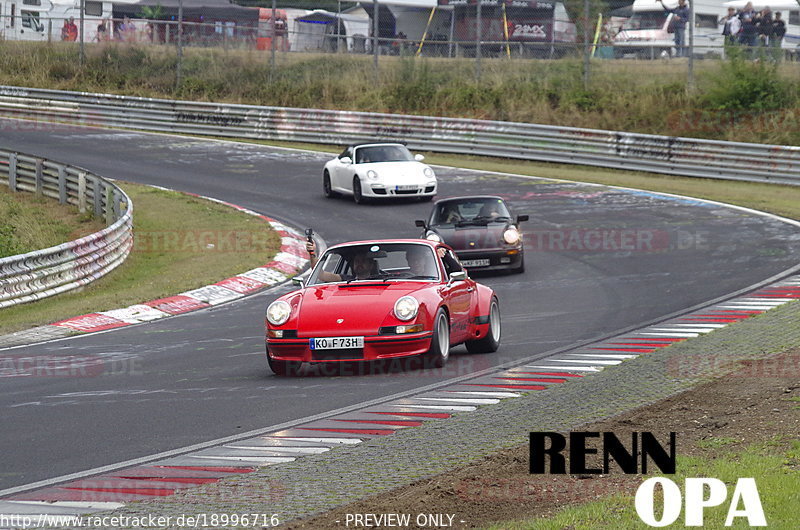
290, 260
165, 477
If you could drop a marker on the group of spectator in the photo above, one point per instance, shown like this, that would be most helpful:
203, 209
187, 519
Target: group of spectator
752, 28
125, 31
746, 27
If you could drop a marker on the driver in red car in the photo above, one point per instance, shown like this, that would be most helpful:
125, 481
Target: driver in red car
363, 266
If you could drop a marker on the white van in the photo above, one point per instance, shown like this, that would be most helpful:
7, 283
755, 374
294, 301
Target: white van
42, 20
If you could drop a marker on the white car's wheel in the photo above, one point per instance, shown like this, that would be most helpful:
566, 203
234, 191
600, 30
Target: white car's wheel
326, 185
358, 196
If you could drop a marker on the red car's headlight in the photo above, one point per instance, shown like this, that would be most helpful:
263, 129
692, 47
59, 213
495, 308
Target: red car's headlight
406, 308
278, 312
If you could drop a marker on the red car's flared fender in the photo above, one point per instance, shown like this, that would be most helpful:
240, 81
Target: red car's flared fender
483, 300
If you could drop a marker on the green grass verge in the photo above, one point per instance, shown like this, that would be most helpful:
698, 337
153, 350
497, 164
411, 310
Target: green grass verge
774, 464
29, 222
181, 243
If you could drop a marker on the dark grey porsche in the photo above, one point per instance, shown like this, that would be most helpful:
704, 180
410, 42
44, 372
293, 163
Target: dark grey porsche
480, 229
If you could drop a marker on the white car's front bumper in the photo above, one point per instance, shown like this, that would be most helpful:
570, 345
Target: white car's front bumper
378, 189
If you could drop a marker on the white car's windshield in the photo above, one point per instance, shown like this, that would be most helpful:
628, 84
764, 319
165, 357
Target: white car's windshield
470, 211
384, 262
383, 153
646, 20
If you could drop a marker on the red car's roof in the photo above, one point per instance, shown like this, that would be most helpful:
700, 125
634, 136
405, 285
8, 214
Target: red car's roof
432, 244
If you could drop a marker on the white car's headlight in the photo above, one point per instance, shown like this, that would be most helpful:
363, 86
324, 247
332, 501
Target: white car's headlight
278, 312
406, 307
372, 174
433, 236
511, 236
428, 172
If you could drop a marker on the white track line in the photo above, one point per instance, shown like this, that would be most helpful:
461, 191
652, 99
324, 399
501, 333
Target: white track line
567, 368
346, 441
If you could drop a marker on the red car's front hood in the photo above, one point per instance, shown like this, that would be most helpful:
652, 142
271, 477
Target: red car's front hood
356, 309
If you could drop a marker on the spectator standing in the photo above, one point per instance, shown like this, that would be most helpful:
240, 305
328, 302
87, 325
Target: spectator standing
732, 26
102, 32
776, 39
749, 18
764, 23
69, 32
680, 15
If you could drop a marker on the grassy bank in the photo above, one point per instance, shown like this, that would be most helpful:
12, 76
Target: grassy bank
29, 222
742, 100
181, 243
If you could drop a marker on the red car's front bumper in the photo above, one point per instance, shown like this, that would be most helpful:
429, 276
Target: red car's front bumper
375, 347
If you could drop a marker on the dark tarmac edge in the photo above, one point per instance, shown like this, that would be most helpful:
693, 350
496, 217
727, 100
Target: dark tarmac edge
315, 484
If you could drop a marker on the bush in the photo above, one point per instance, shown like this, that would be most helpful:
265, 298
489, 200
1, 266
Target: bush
748, 85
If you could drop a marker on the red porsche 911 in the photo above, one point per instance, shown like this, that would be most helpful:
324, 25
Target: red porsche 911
372, 300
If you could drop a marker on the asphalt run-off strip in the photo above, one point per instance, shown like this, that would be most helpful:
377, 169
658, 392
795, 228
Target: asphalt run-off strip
289, 261
318, 464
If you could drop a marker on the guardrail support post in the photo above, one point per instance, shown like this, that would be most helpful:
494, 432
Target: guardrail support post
62, 185
82, 192
97, 193
109, 205
39, 183
12, 172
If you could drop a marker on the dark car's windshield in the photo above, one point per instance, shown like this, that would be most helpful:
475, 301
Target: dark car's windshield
380, 262
464, 212
383, 153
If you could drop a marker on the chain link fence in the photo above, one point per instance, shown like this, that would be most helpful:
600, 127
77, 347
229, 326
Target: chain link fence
429, 28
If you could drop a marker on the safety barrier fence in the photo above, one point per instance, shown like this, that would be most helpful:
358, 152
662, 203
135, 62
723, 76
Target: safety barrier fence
612, 149
43, 273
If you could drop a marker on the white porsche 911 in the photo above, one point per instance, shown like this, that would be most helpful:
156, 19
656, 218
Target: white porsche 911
379, 170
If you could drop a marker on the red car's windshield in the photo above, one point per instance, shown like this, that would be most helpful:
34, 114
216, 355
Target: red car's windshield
377, 261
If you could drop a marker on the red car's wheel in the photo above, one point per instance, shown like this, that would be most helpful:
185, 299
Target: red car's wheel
439, 351
491, 341
283, 368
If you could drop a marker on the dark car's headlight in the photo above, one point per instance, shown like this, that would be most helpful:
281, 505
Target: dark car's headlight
511, 235
406, 308
278, 312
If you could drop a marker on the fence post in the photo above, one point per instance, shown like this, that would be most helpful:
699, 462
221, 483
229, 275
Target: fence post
12, 172
82, 192
478, 36
375, 32
62, 185
38, 176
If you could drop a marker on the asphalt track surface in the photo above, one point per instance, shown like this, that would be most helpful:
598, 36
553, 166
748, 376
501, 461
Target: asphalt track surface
202, 376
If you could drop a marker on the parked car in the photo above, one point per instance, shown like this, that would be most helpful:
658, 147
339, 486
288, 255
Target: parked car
372, 300
378, 171
480, 229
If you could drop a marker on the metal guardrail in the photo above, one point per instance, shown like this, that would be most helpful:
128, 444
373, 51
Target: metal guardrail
42, 273
619, 150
